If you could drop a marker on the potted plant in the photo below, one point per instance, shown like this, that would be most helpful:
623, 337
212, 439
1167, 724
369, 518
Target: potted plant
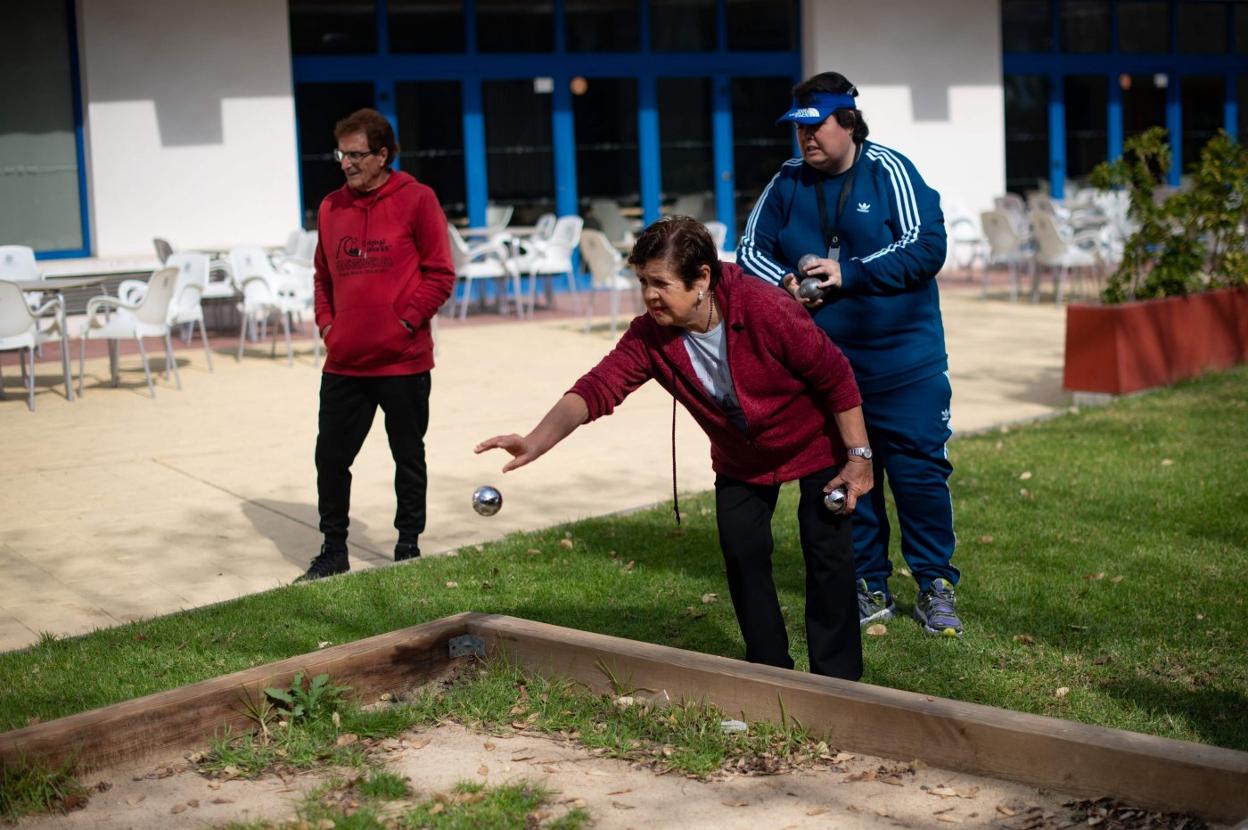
1177, 305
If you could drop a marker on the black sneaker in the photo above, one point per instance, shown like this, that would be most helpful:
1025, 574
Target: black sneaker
328, 562
404, 551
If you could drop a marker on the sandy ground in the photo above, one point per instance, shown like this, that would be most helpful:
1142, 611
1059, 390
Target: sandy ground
119, 507
858, 792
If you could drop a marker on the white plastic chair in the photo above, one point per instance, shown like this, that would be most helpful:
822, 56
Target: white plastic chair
485, 261
544, 227
17, 263
19, 329
690, 204
719, 235
186, 308
148, 318
266, 292
551, 257
1057, 251
498, 217
1005, 246
607, 273
611, 221
163, 249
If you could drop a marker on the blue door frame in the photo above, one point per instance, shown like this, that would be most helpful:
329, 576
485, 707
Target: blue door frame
472, 69
84, 219
1056, 65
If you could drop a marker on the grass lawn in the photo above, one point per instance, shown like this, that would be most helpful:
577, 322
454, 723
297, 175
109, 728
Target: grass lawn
1102, 552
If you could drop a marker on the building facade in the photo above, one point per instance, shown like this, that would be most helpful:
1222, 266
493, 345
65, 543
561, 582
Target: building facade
210, 123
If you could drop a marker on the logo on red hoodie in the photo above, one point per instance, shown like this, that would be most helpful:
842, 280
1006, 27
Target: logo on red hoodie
349, 246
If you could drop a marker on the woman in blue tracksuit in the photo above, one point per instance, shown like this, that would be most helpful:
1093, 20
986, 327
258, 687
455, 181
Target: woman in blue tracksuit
878, 237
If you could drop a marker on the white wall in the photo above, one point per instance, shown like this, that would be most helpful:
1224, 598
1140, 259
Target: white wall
190, 123
929, 81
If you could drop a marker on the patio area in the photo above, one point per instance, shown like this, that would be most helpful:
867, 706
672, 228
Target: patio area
119, 507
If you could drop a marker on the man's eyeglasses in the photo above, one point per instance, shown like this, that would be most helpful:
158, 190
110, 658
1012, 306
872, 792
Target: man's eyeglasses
355, 155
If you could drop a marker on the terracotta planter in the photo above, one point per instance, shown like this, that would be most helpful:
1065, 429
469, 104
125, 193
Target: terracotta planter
1124, 348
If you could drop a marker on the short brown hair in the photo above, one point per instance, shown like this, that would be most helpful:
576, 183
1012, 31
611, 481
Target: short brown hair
375, 128
683, 242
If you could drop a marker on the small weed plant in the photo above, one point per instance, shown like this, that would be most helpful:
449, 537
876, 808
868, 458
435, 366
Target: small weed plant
366, 804
309, 724
27, 789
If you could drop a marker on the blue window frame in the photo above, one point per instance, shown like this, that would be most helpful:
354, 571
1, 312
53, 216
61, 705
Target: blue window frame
1186, 64
472, 68
54, 39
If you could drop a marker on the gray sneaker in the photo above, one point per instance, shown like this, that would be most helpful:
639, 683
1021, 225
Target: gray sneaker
873, 606
937, 609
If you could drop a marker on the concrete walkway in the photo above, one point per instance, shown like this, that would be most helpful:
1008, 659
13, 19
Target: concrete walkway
118, 507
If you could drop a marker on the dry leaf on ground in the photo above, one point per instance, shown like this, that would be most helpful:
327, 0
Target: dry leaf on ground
877, 629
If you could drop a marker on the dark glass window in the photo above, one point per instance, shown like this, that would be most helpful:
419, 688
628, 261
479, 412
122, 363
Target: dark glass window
1143, 27
426, 26
1025, 26
1143, 102
1086, 123
431, 135
1202, 28
518, 149
343, 27
39, 205
759, 144
682, 25
1085, 25
762, 25
685, 146
318, 107
607, 167
509, 26
1026, 132
1240, 11
1202, 115
603, 25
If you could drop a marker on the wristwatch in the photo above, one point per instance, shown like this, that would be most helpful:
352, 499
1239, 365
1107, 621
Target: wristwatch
862, 452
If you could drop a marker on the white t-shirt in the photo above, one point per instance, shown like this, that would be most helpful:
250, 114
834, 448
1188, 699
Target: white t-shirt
709, 355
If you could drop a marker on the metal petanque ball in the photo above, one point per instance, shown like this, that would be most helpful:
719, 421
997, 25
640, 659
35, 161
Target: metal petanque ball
835, 501
806, 261
809, 289
487, 500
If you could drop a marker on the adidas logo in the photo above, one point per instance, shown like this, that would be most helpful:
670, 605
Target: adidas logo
944, 415
864, 207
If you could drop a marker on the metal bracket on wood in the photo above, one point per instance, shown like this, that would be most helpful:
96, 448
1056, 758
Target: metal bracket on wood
467, 644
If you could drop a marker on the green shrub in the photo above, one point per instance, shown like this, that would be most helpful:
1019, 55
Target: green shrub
1187, 241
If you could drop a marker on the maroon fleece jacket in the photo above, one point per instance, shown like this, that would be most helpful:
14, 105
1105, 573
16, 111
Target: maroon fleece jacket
383, 258
789, 377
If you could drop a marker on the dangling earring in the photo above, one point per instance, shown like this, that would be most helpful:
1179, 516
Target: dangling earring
701, 294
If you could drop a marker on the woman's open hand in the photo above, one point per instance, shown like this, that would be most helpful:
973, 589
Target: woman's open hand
523, 450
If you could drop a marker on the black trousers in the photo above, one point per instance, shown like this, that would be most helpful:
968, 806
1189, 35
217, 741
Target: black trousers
348, 405
743, 513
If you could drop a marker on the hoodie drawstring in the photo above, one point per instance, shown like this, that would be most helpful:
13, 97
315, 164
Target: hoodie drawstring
675, 498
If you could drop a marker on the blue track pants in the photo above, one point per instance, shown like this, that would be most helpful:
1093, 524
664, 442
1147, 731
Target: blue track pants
908, 429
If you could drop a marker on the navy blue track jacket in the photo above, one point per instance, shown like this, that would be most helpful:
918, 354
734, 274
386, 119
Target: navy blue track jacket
886, 315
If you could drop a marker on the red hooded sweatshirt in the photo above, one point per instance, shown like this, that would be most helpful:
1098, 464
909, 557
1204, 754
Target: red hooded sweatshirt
383, 258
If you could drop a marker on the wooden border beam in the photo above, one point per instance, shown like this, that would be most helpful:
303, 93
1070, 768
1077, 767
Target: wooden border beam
194, 714
1144, 770
1157, 773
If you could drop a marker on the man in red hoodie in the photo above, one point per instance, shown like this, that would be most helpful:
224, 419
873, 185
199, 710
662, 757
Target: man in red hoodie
383, 268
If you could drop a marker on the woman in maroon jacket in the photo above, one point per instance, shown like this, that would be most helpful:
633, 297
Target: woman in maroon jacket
779, 403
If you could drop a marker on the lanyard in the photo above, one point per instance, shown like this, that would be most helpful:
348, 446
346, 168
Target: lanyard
831, 235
